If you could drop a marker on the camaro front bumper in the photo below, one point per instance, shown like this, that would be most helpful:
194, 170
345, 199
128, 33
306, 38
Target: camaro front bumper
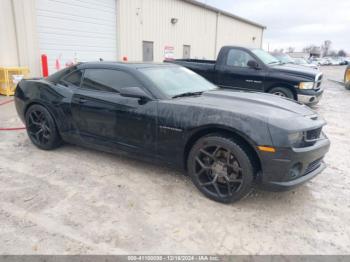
290, 167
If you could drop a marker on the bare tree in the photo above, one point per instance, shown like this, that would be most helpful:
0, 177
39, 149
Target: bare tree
342, 53
311, 49
332, 53
290, 49
307, 49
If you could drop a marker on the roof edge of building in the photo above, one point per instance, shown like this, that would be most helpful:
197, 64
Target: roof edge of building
216, 10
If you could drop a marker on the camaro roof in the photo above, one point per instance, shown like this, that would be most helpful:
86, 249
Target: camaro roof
131, 65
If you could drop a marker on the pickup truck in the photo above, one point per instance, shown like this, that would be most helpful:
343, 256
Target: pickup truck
253, 69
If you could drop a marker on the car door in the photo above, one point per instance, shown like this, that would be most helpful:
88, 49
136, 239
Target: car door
235, 72
68, 85
103, 116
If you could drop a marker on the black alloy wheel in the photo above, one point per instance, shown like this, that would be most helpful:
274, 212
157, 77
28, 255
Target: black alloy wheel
41, 128
220, 168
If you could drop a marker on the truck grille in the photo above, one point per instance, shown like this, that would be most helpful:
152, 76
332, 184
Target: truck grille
318, 81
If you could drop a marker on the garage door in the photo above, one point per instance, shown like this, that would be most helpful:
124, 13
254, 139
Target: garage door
76, 30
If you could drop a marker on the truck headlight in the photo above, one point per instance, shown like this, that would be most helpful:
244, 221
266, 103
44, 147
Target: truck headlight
306, 85
296, 139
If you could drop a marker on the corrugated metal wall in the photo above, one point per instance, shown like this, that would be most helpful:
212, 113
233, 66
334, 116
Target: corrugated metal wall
8, 51
76, 26
77, 30
150, 20
235, 32
19, 45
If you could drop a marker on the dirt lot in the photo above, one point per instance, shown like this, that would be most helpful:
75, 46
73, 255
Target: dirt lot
79, 201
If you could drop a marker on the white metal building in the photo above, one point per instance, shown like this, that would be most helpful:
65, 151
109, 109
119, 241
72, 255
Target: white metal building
138, 30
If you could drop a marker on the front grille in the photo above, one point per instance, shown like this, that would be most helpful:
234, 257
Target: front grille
313, 166
318, 81
313, 135
310, 137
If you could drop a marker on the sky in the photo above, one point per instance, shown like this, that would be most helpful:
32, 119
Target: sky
295, 23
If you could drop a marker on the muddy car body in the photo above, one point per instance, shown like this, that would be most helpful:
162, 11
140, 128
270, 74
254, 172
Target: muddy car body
226, 140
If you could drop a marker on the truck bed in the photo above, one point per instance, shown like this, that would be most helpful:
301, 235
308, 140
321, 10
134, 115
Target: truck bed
202, 61
205, 68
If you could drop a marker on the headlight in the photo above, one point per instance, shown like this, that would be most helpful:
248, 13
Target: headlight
306, 85
296, 139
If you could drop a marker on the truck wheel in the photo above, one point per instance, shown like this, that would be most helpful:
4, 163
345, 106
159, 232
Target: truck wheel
220, 168
282, 91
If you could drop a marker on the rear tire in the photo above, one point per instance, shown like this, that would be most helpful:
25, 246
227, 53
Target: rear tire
41, 128
282, 91
220, 168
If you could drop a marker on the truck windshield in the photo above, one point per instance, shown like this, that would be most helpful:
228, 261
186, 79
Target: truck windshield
284, 58
176, 81
265, 57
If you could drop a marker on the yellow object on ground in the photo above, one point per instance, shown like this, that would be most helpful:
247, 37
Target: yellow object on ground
347, 78
347, 75
9, 78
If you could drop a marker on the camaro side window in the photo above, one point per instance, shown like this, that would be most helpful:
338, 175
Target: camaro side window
238, 58
74, 78
107, 80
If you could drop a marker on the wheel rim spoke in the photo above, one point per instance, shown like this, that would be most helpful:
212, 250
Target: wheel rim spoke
199, 161
38, 127
48, 129
236, 169
33, 122
222, 175
217, 189
210, 182
229, 191
216, 151
207, 154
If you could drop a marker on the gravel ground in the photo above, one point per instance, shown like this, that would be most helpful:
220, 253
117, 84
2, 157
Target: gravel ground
79, 201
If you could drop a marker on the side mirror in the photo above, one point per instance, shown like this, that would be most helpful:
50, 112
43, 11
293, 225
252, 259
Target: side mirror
134, 92
253, 64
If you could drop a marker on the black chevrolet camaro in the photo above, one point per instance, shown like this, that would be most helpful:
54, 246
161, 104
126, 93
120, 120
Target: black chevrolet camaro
226, 140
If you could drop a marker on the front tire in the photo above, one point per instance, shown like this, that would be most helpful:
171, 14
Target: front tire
220, 168
282, 91
41, 128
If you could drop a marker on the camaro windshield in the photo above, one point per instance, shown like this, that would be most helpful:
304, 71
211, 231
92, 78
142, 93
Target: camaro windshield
174, 81
265, 57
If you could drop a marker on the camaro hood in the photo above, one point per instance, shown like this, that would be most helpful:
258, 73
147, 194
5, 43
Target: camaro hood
249, 103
